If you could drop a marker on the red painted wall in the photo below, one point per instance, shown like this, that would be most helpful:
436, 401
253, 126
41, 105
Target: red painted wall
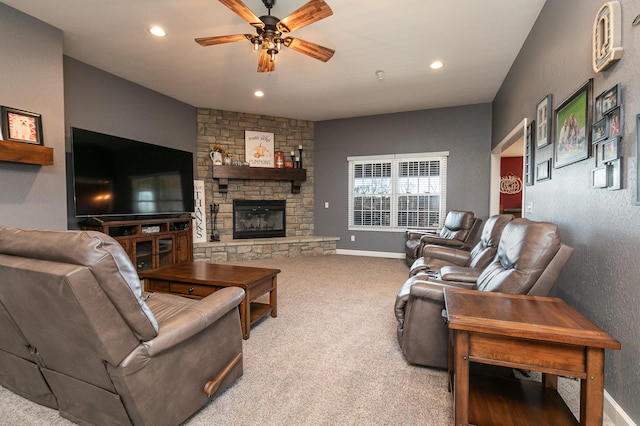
511, 165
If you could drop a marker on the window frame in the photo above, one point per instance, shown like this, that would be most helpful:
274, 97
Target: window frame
395, 160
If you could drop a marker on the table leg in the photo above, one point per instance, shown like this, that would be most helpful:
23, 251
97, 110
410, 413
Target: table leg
592, 388
461, 374
245, 316
273, 297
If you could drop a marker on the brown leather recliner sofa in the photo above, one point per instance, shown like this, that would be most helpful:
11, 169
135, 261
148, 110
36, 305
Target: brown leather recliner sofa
529, 258
459, 230
80, 335
434, 257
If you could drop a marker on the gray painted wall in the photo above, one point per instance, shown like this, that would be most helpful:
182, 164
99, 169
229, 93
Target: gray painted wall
98, 101
31, 70
463, 131
601, 279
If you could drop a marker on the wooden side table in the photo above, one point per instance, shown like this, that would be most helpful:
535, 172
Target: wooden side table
531, 333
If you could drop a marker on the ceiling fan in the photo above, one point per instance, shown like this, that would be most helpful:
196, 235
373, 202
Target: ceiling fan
270, 30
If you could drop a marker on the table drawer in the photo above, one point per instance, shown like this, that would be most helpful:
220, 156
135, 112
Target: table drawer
156, 285
528, 354
191, 289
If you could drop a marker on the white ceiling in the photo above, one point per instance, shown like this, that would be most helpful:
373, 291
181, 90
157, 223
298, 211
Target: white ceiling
477, 41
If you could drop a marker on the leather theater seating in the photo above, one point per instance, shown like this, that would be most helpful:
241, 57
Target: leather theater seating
459, 230
529, 258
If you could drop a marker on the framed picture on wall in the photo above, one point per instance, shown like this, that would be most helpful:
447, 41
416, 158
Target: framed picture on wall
543, 119
614, 122
21, 126
610, 99
600, 130
573, 127
615, 175
610, 149
599, 177
529, 154
543, 171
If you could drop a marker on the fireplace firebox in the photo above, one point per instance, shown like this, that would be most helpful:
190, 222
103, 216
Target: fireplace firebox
259, 219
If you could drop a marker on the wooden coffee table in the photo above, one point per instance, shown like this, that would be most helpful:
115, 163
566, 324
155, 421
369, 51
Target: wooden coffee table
200, 279
530, 333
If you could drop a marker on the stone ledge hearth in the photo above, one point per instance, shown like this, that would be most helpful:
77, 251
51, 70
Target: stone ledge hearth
264, 248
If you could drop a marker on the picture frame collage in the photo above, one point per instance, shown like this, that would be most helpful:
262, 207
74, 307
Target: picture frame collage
607, 140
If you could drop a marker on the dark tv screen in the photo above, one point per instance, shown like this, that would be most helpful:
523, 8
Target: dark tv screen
114, 176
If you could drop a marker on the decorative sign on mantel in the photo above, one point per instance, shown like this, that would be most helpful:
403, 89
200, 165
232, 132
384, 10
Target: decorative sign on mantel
258, 148
607, 39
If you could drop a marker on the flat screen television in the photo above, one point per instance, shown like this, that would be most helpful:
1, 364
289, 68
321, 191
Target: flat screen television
114, 176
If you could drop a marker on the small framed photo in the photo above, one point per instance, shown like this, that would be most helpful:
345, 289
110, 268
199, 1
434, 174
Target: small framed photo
610, 149
599, 177
597, 154
543, 171
614, 169
600, 130
543, 120
21, 126
614, 122
598, 107
610, 99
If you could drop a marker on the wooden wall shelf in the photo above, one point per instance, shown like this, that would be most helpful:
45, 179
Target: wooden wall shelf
225, 173
20, 152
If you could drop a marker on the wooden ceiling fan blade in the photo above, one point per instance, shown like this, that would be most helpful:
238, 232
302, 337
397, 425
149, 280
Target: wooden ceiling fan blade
211, 41
265, 64
309, 13
311, 49
243, 11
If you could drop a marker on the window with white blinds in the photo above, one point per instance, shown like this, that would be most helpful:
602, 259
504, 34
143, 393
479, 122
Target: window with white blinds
392, 192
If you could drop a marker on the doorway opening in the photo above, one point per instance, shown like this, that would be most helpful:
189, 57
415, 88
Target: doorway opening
512, 145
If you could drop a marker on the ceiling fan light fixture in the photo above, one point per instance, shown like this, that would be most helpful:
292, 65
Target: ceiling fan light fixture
256, 43
272, 54
258, 93
436, 65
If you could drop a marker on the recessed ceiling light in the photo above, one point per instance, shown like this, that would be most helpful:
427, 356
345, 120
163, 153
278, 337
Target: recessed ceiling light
258, 93
436, 65
157, 31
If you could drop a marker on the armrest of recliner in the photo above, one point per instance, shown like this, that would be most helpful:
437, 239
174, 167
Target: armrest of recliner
447, 242
416, 234
460, 274
448, 254
194, 319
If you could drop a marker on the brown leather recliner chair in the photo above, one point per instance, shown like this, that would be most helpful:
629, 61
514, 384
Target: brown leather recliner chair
79, 335
529, 259
459, 230
435, 257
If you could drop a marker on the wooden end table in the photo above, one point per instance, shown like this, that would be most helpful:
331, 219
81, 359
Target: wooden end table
200, 279
530, 333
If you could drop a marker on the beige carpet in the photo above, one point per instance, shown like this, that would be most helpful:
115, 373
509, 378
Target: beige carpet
330, 357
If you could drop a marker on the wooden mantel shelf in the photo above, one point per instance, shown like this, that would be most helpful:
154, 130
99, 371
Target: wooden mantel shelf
224, 173
20, 152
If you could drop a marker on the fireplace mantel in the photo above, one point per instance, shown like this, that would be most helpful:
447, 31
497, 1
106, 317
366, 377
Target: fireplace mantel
225, 173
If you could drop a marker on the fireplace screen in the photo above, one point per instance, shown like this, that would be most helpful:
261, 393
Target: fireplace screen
259, 218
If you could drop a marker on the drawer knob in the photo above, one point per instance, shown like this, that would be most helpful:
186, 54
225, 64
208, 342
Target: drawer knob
191, 290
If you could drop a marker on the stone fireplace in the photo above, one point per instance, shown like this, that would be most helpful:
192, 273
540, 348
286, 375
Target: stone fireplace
259, 219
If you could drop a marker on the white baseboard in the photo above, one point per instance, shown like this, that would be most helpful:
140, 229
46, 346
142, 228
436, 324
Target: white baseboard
370, 253
615, 412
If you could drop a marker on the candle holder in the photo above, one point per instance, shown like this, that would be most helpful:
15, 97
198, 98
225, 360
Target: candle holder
300, 151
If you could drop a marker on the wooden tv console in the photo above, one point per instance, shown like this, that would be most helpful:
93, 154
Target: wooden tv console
150, 243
